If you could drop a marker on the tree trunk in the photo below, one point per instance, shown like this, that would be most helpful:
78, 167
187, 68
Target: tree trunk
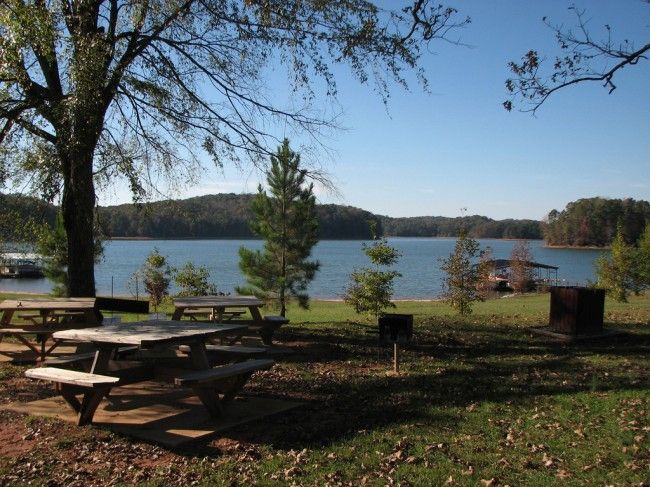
78, 206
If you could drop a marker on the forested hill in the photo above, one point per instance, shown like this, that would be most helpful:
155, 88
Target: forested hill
477, 227
227, 215
593, 222
219, 216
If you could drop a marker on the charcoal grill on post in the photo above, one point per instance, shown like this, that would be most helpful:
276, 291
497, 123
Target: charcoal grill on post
577, 310
395, 328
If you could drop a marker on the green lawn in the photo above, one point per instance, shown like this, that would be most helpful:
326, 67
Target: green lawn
480, 401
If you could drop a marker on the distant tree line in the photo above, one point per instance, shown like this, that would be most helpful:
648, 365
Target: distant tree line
594, 222
475, 226
585, 222
213, 216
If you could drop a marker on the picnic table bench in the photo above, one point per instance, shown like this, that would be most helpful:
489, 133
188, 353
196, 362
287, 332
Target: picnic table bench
216, 387
69, 383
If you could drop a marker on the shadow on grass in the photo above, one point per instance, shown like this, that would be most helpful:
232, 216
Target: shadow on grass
445, 372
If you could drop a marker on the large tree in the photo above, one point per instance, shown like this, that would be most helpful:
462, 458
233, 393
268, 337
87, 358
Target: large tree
286, 220
585, 56
91, 90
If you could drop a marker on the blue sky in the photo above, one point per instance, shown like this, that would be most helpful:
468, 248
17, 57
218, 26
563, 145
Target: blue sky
456, 147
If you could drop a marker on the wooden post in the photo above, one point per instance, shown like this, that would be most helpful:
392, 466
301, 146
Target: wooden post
396, 358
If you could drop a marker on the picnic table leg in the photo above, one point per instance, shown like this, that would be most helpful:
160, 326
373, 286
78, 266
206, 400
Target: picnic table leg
178, 314
100, 362
199, 355
255, 313
49, 350
266, 331
6, 317
210, 399
88, 406
91, 399
208, 395
235, 386
26, 342
229, 388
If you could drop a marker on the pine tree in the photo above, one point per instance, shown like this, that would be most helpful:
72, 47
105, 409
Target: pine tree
462, 276
286, 219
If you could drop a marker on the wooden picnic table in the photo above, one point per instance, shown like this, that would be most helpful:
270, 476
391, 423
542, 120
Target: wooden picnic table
207, 382
228, 309
42, 317
221, 309
219, 306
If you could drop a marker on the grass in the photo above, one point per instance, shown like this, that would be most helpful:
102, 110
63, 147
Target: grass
480, 401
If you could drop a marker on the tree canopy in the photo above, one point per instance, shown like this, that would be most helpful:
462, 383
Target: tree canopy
594, 222
95, 90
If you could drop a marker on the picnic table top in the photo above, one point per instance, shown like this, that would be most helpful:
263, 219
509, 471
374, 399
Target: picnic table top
149, 333
47, 304
217, 301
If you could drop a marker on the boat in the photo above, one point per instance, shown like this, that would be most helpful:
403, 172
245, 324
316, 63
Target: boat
21, 264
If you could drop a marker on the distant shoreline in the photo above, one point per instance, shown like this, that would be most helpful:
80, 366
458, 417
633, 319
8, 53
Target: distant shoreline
322, 239
316, 299
576, 247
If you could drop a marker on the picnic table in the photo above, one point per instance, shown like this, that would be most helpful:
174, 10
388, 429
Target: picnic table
40, 318
192, 370
229, 309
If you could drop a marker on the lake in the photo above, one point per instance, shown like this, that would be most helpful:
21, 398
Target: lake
419, 264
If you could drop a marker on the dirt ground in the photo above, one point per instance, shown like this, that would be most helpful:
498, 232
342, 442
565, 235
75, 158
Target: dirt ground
44, 451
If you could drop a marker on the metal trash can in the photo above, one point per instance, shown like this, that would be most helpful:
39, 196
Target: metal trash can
395, 328
577, 310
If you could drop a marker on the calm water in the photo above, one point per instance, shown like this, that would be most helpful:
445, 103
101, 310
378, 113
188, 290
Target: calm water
419, 264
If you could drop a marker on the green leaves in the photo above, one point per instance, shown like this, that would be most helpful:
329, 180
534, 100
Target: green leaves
380, 253
627, 269
286, 219
194, 281
462, 279
156, 275
370, 290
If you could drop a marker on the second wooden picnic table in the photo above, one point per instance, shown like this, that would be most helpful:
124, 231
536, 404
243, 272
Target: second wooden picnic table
221, 307
229, 309
42, 317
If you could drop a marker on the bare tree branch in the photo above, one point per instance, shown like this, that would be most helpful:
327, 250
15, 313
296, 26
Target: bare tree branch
577, 65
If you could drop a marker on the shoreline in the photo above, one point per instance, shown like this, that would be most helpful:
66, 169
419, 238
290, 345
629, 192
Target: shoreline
576, 247
318, 299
